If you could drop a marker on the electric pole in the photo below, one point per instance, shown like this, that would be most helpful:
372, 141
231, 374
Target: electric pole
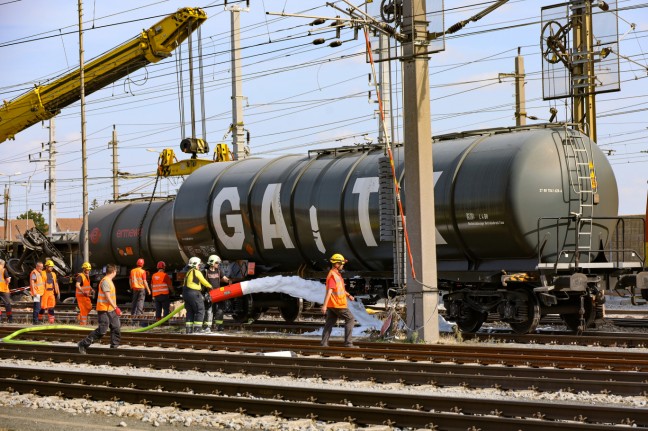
6, 212
85, 247
240, 149
115, 166
520, 97
384, 87
422, 292
584, 106
51, 164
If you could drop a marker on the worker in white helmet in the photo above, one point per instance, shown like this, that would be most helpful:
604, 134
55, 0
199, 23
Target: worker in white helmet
214, 313
192, 295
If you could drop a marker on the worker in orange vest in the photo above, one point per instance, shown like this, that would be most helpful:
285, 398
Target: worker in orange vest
335, 302
107, 313
5, 295
138, 285
37, 289
161, 287
51, 294
84, 293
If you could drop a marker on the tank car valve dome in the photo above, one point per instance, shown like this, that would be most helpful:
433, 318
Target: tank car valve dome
86, 265
213, 259
49, 262
161, 265
194, 262
338, 258
140, 262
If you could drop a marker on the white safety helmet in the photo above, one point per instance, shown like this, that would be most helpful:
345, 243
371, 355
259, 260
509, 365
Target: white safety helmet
213, 259
194, 262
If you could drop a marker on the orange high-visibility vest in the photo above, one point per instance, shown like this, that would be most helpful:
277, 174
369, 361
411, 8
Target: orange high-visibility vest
84, 289
37, 287
335, 282
4, 287
137, 278
50, 286
102, 299
159, 284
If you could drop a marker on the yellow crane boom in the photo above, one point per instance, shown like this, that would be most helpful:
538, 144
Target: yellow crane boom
151, 46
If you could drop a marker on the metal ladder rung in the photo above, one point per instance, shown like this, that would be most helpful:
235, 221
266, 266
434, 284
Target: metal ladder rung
586, 205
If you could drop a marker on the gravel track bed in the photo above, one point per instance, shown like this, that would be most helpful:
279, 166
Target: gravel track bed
141, 416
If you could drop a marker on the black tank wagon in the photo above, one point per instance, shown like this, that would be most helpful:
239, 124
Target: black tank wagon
524, 220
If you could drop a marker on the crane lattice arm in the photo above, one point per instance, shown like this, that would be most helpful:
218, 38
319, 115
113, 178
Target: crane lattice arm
151, 46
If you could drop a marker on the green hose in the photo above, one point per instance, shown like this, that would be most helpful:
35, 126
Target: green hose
10, 338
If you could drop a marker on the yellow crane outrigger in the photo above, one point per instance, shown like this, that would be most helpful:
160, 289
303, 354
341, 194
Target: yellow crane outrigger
151, 46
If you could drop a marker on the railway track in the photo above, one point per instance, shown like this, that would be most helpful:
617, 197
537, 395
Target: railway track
511, 356
324, 404
463, 374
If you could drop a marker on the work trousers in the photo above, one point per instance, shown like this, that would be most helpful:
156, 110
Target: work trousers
48, 302
332, 315
5, 297
162, 305
107, 320
195, 306
85, 306
37, 308
215, 314
137, 305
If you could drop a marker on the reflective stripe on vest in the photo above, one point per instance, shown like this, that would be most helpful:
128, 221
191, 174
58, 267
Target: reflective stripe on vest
158, 284
84, 289
137, 277
338, 294
102, 299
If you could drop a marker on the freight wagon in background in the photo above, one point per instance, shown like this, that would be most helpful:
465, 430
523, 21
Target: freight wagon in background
525, 223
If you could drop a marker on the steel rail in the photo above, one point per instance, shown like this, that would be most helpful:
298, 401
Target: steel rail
441, 375
500, 355
361, 407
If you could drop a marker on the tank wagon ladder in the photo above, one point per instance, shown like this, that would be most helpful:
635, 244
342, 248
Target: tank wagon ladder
582, 189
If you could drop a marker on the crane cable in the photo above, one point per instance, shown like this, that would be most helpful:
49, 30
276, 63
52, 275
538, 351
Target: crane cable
389, 151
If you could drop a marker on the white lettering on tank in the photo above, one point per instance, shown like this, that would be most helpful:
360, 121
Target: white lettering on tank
317, 236
439, 239
233, 221
364, 187
271, 203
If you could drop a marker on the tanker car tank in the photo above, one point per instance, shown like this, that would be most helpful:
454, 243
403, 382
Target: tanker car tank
523, 217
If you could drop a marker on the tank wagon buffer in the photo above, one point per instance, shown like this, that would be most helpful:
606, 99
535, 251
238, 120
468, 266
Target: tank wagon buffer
152, 45
524, 218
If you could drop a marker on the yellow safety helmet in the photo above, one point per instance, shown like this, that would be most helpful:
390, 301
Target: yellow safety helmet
338, 258
49, 262
86, 265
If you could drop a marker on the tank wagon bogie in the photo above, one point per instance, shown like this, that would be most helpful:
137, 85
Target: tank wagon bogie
523, 219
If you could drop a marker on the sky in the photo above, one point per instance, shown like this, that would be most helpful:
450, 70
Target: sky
298, 96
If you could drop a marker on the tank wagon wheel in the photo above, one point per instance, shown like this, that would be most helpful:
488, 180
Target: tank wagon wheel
244, 311
292, 309
572, 320
532, 313
16, 269
471, 320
